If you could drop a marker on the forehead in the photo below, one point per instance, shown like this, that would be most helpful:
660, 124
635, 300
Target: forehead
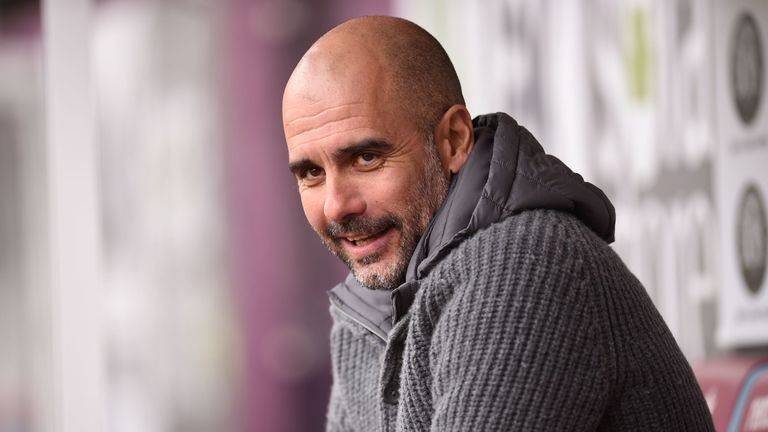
324, 120
341, 116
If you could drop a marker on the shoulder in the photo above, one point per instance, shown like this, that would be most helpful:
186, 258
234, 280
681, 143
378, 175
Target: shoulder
545, 258
532, 243
539, 233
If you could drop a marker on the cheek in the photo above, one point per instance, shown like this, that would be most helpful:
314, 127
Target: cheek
392, 193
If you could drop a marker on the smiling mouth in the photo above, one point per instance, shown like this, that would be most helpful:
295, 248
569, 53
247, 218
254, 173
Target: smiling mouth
366, 248
362, 240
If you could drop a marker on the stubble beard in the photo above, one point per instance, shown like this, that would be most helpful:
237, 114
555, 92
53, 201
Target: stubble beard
410, 223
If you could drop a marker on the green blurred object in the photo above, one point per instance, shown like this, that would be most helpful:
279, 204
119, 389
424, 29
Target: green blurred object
639, 56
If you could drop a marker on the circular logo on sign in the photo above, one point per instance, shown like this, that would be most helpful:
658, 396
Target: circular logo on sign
751, 238
746, 67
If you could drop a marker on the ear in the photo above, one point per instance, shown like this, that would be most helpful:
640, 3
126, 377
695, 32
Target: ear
454, 137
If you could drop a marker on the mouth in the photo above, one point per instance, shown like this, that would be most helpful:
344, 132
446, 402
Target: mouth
361, 240
362, 245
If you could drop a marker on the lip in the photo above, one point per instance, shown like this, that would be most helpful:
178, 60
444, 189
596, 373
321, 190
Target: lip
378, 242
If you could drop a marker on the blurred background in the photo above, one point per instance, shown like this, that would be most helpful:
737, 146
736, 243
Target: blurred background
156, 270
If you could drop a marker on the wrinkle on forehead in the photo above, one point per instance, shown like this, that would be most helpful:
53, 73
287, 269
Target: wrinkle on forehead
317, 122
327, 125
331, 109
322, 102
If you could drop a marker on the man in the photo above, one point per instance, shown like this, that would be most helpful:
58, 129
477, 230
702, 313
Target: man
483, 295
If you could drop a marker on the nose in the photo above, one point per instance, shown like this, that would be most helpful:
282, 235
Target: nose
342, 200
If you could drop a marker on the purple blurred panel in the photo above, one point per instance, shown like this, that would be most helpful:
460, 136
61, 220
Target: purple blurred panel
259, 232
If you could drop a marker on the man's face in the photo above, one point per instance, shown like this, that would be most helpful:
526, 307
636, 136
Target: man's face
369, 180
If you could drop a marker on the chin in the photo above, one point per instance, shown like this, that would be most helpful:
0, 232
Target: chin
380, 276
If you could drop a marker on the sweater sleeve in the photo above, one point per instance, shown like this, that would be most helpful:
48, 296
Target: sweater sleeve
519, 350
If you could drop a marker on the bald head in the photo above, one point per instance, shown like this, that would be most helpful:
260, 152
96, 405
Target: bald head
409, 68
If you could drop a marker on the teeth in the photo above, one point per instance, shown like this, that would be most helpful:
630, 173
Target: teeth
362, 242
359, 241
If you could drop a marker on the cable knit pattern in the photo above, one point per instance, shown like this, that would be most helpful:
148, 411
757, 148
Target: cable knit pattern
533, 324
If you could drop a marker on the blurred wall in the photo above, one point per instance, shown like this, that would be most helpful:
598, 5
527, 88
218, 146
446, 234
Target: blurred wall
24, 300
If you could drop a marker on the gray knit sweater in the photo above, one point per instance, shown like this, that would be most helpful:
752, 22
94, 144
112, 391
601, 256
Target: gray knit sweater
529, 323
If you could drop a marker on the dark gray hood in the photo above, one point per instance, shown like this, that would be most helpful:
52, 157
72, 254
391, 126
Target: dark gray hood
506, 173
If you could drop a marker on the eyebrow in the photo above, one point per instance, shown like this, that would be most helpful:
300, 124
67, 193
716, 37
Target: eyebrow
363, 146
380, 145
301, 165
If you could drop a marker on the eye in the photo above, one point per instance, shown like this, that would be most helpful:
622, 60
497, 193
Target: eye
366, 159
310, 176
313, 173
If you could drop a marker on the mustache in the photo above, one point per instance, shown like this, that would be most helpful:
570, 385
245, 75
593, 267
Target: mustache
362, 225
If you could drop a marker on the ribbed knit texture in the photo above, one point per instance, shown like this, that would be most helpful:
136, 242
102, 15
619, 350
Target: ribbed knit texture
533, 324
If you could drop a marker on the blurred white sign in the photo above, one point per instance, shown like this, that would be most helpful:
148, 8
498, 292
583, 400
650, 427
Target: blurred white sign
741, 167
